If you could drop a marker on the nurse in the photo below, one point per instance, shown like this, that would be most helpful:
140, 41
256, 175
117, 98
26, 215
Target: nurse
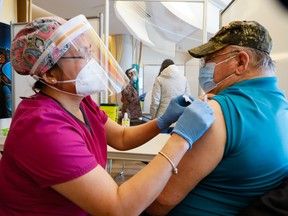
56, 150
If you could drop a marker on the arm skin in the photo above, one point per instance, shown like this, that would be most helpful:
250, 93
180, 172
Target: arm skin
97, 193
120, 138
196, 164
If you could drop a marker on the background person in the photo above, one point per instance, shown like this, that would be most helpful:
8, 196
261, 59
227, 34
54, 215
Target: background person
130, 97
244, 154
168, 84
56, 150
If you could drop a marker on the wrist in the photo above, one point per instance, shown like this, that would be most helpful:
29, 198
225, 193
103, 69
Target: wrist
180, 139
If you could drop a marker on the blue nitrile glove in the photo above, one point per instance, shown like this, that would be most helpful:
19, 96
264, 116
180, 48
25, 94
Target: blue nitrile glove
194, 121
175, 108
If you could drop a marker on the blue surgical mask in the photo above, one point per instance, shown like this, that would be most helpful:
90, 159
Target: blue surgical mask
206, 74
134, 79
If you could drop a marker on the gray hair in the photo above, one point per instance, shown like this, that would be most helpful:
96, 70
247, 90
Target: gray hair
260, 59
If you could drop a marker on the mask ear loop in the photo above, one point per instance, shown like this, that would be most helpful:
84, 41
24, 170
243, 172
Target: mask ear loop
35, 77
226, 60
230, 74
53, 87
66, 81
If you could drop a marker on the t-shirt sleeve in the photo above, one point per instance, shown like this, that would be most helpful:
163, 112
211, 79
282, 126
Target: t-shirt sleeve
91, 105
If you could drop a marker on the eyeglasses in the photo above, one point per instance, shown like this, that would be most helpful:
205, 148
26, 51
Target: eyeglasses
72, 57
203, 61
87, 54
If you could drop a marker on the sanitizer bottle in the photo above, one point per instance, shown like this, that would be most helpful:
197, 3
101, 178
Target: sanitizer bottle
126, 120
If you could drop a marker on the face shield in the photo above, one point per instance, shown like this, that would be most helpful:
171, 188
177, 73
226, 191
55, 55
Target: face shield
85, 51
133, 75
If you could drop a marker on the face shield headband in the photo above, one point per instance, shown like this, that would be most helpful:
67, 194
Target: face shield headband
83, 47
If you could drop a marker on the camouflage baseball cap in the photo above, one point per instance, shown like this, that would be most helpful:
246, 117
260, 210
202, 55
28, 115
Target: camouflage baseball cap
242, 33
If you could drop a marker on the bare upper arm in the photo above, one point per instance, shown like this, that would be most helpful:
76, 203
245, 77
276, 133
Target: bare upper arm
84, 191
196, 164
114, 134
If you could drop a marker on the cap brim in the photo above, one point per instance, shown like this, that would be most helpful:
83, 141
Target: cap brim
205, 49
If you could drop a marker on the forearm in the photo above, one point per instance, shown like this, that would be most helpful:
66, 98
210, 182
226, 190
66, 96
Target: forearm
140, 134
98, 194
154, 176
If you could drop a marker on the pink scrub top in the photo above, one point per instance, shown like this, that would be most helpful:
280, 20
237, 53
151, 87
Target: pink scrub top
47, 145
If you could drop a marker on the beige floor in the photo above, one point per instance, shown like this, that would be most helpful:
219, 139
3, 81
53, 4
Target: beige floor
130, 169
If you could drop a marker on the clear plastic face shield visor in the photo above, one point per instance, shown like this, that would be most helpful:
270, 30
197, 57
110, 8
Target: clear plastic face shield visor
86, 49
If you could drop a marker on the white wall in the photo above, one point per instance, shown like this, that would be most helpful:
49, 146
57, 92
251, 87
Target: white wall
153, 60
150, 65
274, 17
8, 11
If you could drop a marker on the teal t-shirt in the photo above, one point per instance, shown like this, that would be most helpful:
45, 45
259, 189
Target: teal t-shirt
256, 152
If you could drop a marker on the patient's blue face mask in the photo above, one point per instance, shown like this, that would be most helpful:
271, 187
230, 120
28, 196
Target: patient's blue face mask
206, 74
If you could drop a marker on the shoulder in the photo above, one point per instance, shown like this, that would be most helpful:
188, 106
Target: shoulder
218, 114
90, 108
214, 138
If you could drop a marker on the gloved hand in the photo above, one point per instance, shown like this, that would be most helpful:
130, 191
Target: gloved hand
175, 108
194, 121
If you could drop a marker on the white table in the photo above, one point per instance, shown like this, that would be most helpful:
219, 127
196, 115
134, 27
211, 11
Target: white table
145, 152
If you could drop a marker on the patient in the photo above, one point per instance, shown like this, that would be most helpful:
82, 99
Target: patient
245, 152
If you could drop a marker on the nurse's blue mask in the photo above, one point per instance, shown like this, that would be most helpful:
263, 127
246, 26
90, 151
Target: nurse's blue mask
134, 79
206, 73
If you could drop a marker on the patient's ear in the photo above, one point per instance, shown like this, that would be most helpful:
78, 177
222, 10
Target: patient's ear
243, 62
